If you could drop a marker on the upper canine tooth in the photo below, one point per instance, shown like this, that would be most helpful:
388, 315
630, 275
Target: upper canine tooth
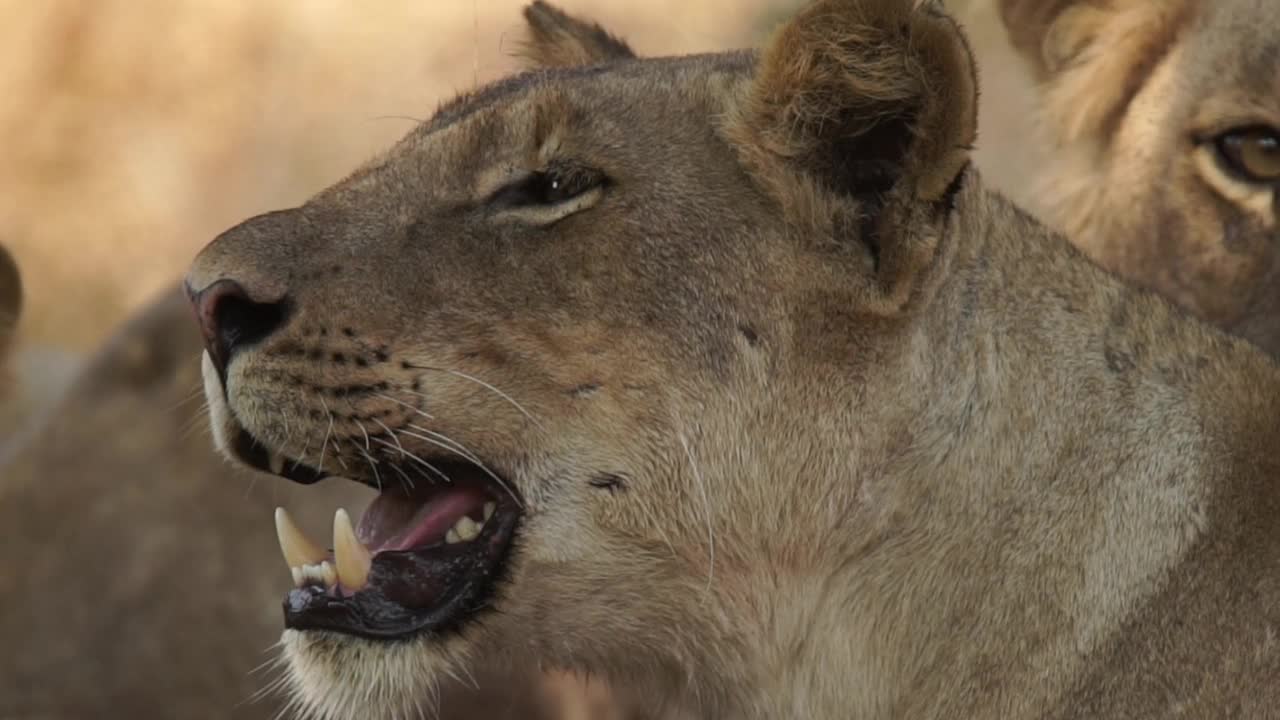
489, 507
298, 550
276, 462
467, 528
352, 558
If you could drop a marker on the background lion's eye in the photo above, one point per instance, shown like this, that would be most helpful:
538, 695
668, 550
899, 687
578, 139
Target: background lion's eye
1252, 154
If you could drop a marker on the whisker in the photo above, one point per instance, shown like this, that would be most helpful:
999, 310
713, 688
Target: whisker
197, 392
483, 384
467, 455
194, 424
365, 433
417, 410
337, 453
420, 472
391, 435
302, 458
439, 473
284, 418
706, 504
248, 491
406, 481
372, 466
324, 444
403, 452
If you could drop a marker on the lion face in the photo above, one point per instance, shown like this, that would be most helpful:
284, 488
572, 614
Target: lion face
512, 326
576, 329
1166, 122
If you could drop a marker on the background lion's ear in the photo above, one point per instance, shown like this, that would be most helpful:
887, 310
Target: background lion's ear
1089, 53
556, 39
1029, 24
10, 297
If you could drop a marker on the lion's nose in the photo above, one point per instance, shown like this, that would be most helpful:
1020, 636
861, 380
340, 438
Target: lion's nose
231, 321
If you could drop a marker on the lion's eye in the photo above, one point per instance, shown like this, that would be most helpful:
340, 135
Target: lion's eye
548, 187
1252, 154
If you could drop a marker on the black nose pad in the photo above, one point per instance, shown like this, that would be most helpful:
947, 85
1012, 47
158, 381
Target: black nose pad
230, 321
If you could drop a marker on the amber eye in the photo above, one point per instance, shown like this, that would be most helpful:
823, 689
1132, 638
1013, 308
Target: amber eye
1252, 154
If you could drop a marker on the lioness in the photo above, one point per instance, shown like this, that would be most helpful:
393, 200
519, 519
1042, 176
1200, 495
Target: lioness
1164, 120
723, 377
10, 307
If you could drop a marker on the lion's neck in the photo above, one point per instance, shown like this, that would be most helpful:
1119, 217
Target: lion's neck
1020, 506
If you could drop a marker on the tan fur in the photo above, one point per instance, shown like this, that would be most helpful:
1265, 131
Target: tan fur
881, 444
1134, 94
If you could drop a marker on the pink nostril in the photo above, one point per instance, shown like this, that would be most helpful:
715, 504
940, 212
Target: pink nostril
230, 321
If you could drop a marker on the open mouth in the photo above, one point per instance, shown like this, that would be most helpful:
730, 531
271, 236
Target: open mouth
425, 557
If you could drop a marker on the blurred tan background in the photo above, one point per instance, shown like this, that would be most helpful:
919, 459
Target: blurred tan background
136, 130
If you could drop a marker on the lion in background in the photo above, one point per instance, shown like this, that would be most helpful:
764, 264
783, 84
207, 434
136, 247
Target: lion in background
1163, 124
10, 310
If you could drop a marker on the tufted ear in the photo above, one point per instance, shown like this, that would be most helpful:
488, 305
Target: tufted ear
1091, 54
10, 297
1028, 23
861, 115
557, 39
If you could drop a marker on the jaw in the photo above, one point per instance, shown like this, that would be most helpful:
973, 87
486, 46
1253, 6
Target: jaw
581, 601
335, 675
380, 647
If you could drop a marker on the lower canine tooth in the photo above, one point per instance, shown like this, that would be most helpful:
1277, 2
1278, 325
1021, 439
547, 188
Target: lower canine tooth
297, 549
353, 559
451, 537
489, 507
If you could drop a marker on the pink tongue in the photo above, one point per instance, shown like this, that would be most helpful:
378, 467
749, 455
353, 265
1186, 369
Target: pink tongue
394, 522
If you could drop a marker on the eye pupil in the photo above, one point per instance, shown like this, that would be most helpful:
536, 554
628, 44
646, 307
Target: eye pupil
1253, 154
548, 187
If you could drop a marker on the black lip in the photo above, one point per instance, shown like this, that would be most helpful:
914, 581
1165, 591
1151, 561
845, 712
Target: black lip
252, 453
468, 572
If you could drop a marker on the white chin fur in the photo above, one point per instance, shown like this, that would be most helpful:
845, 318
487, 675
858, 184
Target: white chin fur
219, 413
336, 677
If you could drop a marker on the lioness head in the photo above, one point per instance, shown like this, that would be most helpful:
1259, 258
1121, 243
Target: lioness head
1165, 116
10, 305
598, 333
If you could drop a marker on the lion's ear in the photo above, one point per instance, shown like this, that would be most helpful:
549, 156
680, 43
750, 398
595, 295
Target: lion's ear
10, 297
1091, 54
1030, 23
556, 39
862, 114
